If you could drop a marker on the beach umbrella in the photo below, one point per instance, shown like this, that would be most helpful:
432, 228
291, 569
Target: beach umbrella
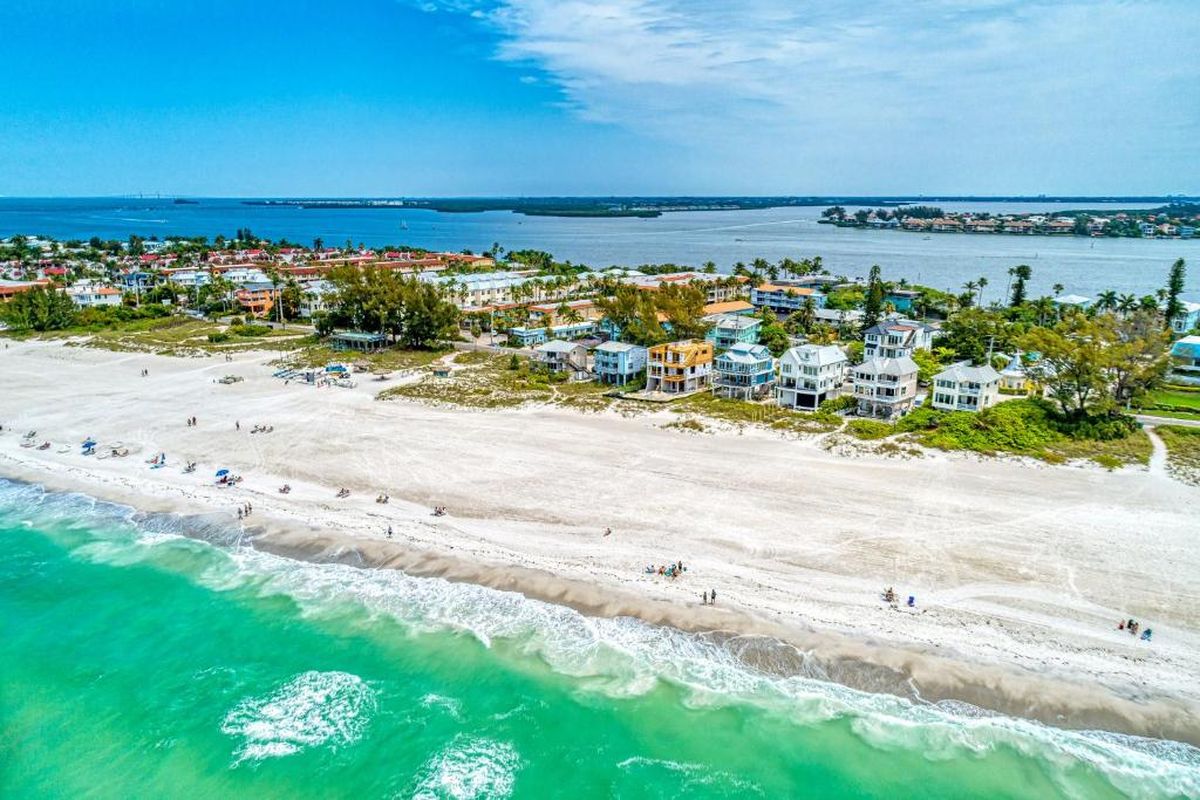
222, 472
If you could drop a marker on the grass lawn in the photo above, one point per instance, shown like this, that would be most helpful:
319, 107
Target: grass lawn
1183, 452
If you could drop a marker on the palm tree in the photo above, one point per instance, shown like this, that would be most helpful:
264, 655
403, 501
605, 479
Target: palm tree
1107, 300
1058, 289
982, 282
970, 287
1126, 303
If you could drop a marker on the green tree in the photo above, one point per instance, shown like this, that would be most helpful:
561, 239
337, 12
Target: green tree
873, 307
1175, 283
1022, 273
39, 309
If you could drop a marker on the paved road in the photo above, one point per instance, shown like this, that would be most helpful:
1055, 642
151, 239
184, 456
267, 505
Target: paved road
1148, 420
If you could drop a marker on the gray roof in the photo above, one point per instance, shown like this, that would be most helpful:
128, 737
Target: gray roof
557, 346
965, 372
745, 352
617, 347
899, 366
816, 355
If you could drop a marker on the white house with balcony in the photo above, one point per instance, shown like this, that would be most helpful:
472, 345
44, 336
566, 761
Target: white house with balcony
88, 296
885, 387
809, 375
896, 338
961, 387
559, 356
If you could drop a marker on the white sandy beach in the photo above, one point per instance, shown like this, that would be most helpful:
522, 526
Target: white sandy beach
1021, 572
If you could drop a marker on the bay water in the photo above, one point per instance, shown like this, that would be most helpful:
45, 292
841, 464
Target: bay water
689, 238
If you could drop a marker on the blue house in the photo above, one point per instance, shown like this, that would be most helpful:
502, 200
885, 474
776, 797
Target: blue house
745, 371
731, 329
528, 337
1188, 318
618, 363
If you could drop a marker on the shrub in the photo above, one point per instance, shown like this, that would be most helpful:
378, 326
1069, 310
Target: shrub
868, 429
249, 330
219, 337
843, 403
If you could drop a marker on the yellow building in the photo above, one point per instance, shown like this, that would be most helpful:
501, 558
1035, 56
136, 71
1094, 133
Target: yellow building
679, 367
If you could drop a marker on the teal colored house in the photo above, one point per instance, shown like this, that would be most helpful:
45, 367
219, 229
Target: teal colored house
1185, 361
529, 337
901, 299
618, 363
731, 329
745, 371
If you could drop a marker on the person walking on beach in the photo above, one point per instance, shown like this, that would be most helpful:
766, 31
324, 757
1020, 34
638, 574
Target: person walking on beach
237, 425
704, 598
712, 597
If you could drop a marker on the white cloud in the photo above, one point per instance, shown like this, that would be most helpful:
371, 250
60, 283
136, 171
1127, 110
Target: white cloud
951, 86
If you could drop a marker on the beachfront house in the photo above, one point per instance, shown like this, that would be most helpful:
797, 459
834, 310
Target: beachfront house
962, 387
1188, 318
745, 371
809, 375
730, 329
314, 298
896, 338
885, 387
94, 296
559, 356
784, 300
679, 367
1185, 361
618, 363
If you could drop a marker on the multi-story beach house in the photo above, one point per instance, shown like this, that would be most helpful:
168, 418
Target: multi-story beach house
896, 339
784, 300
618, 363
94, 296
1188, 318
809, 375
528, 337
745, 371
679, 367
962, 387
730, 329
559, 356
885, 387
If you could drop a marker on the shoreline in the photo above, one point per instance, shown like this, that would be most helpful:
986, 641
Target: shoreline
781, 650
993, 634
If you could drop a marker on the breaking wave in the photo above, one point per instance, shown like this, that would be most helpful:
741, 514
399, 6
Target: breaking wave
619, 657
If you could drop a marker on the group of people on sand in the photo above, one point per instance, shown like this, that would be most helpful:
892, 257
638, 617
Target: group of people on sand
245, 511
439, 511
382, 498
191, 422
343, 493
263, 429
1133, 626
892, 599
708, 598
669, 570
145, 373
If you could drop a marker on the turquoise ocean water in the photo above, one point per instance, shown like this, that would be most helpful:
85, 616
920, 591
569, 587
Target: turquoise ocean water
136, 662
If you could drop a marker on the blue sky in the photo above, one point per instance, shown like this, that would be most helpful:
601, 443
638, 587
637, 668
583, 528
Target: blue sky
491, 97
